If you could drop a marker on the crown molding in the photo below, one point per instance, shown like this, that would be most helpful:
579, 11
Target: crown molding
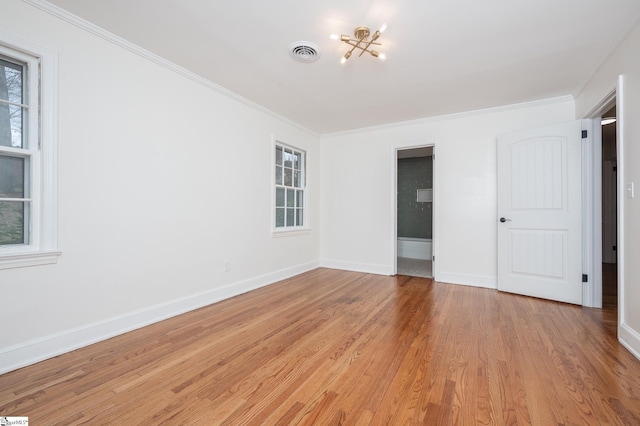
463, 114
85, 25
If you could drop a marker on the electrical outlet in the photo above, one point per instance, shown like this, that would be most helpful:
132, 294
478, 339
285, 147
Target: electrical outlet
227, 265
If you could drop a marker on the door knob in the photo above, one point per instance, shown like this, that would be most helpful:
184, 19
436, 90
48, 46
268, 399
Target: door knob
504, 219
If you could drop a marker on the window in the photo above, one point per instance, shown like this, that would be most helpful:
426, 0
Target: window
15, 153
27, 158
289, 188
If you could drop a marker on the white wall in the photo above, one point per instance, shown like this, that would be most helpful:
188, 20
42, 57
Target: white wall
357, 190
161, 179
624, 61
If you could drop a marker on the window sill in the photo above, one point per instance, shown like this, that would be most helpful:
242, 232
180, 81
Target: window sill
20, 260
290, 232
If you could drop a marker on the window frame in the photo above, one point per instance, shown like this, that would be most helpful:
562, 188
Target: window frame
40, 147
289, 230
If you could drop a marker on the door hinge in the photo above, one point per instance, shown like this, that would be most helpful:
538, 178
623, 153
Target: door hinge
615, 248
584, 134
585, 278
615, 168
433, 258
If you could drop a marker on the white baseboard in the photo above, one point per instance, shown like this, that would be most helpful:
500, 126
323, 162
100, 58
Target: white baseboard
630, 339
470, 280
368, 268
31, 352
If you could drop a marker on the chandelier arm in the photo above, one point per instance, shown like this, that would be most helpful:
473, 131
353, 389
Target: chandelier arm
366, 48
348, 54
352, 44
361, 40
354, 47
363, 49
355, 40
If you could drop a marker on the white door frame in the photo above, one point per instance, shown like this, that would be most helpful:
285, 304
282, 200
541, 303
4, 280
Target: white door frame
394, 207
592, 210
592, 213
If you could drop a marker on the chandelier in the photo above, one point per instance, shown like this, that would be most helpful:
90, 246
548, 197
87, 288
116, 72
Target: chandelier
362, 42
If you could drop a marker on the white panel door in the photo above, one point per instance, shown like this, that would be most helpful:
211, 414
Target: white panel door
540, 212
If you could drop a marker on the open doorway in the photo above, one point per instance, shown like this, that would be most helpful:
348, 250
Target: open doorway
609, 213
414, 218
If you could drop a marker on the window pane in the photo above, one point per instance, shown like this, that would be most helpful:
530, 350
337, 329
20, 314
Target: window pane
11, 123
11, 120
288, 158
12, 219
288, 178
11, 177
11, 83
279, 197
279, 218
296, 179
299, 217
290, 217
17, 124
297, 160
291, 198
278, 156
278, 175
299, 198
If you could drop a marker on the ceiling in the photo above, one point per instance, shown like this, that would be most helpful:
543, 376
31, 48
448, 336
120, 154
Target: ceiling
443, 56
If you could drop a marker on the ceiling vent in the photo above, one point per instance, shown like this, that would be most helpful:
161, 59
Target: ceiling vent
304, 51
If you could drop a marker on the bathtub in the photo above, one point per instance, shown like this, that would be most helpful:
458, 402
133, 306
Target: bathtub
415, 248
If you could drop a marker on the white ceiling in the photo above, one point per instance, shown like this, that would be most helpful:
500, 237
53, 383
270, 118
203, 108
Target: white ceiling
443, 56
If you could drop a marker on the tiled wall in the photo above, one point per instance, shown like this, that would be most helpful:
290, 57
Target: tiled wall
414, 218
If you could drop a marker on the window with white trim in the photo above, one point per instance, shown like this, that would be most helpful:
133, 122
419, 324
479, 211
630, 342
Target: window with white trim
27, 158
289, 188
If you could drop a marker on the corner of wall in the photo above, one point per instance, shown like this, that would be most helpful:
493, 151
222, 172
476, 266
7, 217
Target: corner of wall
630, 339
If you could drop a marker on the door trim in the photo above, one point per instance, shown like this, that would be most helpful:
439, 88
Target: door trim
592, 213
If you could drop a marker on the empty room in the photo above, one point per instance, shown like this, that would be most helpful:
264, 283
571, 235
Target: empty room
365, 212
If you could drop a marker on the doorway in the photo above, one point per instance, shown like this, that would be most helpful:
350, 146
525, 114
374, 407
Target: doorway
414, 215
609, 213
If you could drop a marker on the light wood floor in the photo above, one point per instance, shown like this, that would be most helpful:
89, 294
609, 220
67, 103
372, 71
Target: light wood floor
331, 347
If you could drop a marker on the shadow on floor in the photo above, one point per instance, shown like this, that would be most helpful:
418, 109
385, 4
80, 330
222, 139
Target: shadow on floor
415, 267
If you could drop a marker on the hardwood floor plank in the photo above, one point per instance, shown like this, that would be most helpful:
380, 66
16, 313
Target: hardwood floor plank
291, 414
333, 347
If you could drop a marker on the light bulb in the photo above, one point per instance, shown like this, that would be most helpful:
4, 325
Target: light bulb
383, 27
